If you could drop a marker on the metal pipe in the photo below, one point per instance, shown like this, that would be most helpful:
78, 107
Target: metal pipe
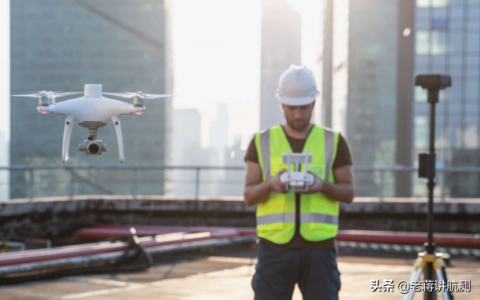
31, 256
32, 184
197, 183
72, 184
135, 183
112, 231
382, 184
386, 237
73, 262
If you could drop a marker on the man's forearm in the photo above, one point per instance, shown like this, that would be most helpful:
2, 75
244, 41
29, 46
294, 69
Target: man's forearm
255, 194
342, 192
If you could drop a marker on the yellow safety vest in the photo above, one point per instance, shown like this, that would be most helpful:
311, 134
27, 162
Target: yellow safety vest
318, 213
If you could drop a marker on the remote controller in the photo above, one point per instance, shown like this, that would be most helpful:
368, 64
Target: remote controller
297, 179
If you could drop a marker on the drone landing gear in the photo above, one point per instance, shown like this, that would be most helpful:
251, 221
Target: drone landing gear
67, 133
118, 130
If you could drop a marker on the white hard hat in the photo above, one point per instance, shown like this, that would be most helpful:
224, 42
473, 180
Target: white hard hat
297, 87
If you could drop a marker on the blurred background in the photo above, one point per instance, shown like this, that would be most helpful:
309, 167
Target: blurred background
223, 59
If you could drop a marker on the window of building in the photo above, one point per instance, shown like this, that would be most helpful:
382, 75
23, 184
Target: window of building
440, 13
439, 42
456, 61
457, 13
458, 3
471, 90
472, 108
443, 96
433, 3
473, 42
456, 42
475, 72
423, 3
439, 24
473, 12
471, 136
420, 94
438, 69
440, 3
455, 72
473, 25
439, 60
472, 61
456, 25
421, 60
420, 132
422, 42
422, 25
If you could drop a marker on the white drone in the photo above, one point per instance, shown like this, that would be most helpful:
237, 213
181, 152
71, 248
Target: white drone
91, 111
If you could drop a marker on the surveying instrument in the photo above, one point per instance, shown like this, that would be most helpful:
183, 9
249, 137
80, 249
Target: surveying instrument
429, 261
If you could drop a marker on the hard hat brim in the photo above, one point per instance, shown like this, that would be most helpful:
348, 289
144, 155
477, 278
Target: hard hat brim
297, 101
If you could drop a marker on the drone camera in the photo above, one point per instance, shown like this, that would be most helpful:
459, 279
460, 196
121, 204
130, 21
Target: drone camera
92, 147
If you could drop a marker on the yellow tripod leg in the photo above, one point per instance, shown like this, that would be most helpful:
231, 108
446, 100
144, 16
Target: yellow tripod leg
418, 267
439, 267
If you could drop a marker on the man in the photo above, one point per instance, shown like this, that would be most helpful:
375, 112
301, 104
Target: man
297, 230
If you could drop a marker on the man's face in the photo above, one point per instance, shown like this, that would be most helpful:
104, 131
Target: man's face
298, 117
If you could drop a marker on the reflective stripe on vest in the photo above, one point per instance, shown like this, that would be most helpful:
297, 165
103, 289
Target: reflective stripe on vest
276, 218
276, 215
290, 217
318, 218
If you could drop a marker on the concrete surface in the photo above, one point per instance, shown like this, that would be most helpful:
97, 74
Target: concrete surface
228, 277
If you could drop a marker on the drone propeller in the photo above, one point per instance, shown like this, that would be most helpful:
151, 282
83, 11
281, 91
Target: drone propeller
139, 94
36, 95
44, 95
49, 94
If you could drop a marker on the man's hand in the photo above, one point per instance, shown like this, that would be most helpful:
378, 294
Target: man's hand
277, 185
316, 187
256, 189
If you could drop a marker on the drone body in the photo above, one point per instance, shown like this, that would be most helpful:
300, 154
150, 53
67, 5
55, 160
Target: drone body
92, 111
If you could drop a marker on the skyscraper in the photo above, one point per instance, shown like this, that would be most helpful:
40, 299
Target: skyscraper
281, 34
364, 83
234, 179
187, 150
219, 134
64, 44
448, 42
378, 47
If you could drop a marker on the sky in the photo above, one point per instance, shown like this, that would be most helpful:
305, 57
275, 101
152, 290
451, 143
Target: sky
216, 45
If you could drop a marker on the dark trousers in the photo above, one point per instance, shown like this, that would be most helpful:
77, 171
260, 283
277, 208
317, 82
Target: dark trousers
280, 268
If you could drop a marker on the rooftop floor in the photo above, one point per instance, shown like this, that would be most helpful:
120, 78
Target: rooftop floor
228, 277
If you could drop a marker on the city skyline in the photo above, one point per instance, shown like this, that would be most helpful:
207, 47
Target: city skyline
236, 66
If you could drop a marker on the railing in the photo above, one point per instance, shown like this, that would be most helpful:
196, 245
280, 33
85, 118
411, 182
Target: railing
380, 183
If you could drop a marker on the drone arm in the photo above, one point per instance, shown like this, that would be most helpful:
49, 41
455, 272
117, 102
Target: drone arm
67, 133
118, 130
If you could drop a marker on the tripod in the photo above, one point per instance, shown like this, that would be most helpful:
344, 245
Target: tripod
430, 262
